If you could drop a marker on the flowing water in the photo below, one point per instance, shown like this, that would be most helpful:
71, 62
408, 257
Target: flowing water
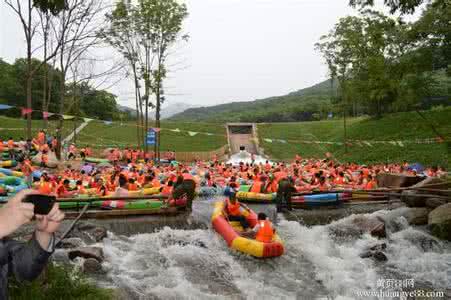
320, 262
246, 158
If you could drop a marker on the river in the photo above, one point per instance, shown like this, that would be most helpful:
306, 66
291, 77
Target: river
319, 263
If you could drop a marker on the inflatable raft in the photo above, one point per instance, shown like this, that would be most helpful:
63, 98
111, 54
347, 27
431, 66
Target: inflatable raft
8, 164
229, 231
96, 160
319, 199
13, 184
312, 200
113, 204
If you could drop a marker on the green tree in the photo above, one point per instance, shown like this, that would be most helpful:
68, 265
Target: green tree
144, 33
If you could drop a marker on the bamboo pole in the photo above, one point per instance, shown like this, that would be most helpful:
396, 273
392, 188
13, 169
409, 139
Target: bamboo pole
128, 198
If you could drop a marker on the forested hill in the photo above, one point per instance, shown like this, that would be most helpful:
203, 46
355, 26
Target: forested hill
306, 104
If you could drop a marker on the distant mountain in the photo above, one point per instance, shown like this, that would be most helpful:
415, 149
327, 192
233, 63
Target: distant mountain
170, 109
305, 104
126, 109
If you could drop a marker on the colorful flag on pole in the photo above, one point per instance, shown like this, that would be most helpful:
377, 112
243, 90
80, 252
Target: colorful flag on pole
4, 106
46, 114
25, 111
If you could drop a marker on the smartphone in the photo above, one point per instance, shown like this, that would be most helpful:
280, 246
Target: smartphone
43, 204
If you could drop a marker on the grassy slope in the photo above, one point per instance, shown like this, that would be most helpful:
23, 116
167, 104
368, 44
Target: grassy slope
272, 108
99, 135
6, 122
402, 126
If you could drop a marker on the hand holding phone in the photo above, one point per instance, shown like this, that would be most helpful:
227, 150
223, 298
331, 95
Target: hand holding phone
43, 204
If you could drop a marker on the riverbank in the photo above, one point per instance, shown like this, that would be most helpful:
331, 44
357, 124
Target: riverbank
60, 282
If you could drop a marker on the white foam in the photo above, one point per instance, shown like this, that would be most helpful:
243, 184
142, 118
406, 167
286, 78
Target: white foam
197, 264
246, 158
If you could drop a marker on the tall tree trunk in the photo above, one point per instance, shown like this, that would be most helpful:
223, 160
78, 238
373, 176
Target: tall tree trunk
45, 71
61, 111
157, 121
29, 71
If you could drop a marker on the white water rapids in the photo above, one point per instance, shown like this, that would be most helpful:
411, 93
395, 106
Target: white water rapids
246, 158
319, 263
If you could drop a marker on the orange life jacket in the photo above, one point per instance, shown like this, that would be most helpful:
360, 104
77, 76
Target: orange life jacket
265, 233
257, 187
156, 183
233, 209
10, 144
41, 138
45, 188
81, 189
187, 176
167, 190
132, 187
371, 185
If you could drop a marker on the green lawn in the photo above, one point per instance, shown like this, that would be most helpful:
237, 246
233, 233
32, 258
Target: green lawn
402, 126
16, 128
99, 135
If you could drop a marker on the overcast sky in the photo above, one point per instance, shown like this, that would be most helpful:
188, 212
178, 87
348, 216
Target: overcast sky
239, 50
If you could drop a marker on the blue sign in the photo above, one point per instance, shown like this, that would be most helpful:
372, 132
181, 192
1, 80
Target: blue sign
150, 137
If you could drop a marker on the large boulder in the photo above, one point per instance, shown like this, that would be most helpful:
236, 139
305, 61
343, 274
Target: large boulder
434, 202
87, 252
396, 180
89, 233
69, 243
373, 226
440, 221
417, 216
92, 266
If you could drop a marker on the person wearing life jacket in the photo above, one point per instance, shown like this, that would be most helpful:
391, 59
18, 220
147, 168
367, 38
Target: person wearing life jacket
11, 151
27, 169
371, 184
80, 188
271, 185
122, 190
259, 185
132, 186
63, 189
264, 230
233, 210
41, 137
83, 153
44, 159
72, 152
45, 186
111, 183
168, 188
54, 143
